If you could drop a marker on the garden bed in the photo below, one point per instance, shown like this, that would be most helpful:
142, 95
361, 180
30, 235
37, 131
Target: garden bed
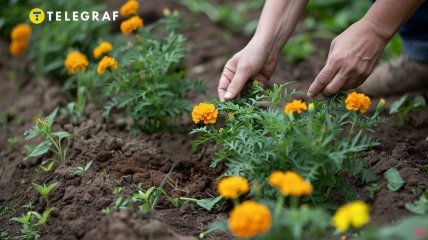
165, 160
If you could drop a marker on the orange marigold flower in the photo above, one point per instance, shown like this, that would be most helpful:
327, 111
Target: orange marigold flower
296, 106
129, 8
17, 48
290, 183
21, 33
232, 187
355, 214
105, 63
75, 62
102, 49
249, 219
204, 112
357, 102
130, 25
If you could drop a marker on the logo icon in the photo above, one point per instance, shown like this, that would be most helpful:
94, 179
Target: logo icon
37, 16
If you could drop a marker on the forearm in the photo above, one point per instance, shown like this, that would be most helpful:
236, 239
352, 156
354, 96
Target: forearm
386, 16
277, 22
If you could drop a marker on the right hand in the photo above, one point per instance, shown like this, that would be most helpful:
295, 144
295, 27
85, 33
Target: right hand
252, 62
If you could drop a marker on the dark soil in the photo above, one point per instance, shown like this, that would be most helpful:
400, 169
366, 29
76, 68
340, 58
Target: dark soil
164, 160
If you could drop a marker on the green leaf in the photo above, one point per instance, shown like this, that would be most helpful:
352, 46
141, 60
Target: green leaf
396, 105
420, 206
40, 149
44, 218
394, 179
61, 135
207, 203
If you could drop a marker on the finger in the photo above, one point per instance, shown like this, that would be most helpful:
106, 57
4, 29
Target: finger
335, 85
238, 82
225, 80
323, 79
352, 83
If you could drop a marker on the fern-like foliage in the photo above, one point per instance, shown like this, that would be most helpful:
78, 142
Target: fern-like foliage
321, 144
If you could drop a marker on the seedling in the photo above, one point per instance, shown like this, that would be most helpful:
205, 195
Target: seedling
81, 170
28, 227
52, 141
405, 105
72, 112
44, 190
117, 191
420, 206
372, 190
207, 203
30, 222
13, 142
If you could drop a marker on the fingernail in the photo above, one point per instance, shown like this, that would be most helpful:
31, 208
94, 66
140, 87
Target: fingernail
310, 94
228, 95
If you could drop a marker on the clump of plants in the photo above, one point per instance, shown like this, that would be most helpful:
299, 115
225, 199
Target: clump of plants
140, 73
52, 144
320, 140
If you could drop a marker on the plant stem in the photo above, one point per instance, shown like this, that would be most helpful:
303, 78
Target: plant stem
279, 205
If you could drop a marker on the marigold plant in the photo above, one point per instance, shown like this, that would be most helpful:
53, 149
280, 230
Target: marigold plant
249, 219
355, 214
129, 8
232, 187
106, 62
357, 102
296, 106
130, 25
290, 183
76, 61
102, 49
150, 85
320, 145
204, 112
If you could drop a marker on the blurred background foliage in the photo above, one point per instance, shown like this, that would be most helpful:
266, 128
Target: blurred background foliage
53, 42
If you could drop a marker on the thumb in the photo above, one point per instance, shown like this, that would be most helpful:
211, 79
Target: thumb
237, 84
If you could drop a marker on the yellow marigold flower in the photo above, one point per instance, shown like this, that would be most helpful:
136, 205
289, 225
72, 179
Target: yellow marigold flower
296, 106
249, 219
76, 61
232, 187
129, 8
166, 11
205, 112
290, 183
21, 33
311, 107
355, 214
102, 49
382, 101
105, 63
357, 102
130, 25
17, 48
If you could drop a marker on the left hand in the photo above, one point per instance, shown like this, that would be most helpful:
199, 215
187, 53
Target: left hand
352, 58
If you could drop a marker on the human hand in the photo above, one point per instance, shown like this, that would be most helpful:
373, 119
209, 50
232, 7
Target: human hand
352, 58
254, 61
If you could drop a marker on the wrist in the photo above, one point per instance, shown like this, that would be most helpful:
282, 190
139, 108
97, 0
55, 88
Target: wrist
383, 32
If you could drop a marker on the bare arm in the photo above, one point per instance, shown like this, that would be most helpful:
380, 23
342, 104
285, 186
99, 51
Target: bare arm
259, 58
354, 53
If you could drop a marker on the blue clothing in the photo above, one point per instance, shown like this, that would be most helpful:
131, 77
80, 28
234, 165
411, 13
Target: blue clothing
415, 35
